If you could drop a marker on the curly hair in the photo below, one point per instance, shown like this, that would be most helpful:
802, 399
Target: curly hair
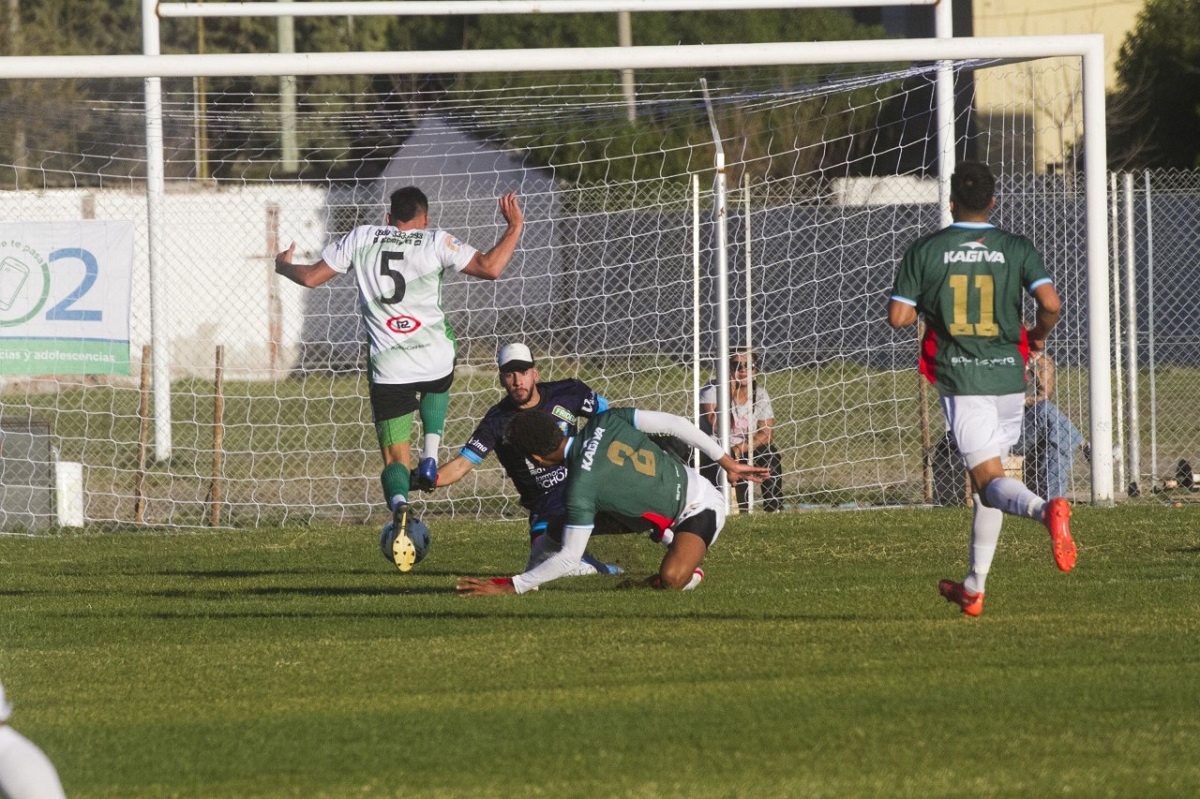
533, 432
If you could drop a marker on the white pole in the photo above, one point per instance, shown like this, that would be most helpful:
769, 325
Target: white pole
1095, 164
1150, 334
1131, 353
721, 211
697, 364
943, 16
551, 59
749, 338
429, 8
289, 151
160, 336
625, 39
1118, 359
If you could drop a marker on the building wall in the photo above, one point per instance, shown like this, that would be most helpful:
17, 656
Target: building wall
1054, 127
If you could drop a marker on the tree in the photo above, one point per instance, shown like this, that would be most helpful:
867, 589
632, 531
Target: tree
1154, 114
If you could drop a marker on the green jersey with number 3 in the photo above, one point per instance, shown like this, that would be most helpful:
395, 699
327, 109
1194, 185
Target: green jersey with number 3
615, 468
967, 281
399, 275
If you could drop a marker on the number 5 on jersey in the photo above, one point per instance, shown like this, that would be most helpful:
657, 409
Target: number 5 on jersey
385, 268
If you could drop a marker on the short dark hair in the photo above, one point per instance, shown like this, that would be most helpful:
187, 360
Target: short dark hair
408, 203
533, 432
972, 186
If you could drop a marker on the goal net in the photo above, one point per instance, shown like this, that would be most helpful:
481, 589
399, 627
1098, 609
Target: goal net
831, 170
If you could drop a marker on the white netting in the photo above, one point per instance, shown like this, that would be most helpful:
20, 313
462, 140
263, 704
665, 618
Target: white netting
601, 287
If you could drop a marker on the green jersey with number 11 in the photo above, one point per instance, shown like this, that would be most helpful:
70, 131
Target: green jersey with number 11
967, 281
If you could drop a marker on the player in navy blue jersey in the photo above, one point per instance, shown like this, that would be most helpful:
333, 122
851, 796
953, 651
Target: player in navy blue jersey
541, 488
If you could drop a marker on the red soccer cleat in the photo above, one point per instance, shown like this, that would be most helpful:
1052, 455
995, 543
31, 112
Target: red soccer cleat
1057, 517
971, 604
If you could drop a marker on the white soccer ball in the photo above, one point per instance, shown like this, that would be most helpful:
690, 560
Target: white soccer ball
418, 531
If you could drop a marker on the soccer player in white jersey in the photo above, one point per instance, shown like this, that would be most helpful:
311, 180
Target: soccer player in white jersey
25, 771
399, 269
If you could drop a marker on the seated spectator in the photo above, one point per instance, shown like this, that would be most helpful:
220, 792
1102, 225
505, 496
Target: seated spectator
743, 369
1048, 437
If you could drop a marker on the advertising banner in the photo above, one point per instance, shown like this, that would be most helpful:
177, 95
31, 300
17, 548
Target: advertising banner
64, 297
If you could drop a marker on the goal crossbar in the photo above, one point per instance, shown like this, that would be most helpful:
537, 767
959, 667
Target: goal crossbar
1001, 49
430, 8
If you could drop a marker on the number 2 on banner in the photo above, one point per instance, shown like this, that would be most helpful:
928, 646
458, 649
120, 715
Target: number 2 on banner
63, 312
986, 326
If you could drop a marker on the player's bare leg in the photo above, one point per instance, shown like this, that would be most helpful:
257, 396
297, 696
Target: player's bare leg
679, 565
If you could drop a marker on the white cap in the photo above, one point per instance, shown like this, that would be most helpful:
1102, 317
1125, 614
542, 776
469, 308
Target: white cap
514, 358
5, 707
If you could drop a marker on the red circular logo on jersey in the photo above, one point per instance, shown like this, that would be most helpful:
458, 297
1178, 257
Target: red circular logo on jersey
403, 324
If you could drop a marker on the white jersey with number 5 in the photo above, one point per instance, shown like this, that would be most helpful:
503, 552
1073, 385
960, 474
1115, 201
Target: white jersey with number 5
399, 276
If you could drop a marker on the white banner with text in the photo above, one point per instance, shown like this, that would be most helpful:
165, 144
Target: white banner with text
64, 297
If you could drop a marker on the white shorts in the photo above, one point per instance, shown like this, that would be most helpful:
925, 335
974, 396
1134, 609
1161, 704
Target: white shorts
984, 427
701, 496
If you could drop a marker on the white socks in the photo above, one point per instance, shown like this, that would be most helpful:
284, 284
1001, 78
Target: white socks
432, 442
1010, 496
985, 535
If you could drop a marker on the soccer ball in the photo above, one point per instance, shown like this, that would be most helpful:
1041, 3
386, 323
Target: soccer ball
418, 531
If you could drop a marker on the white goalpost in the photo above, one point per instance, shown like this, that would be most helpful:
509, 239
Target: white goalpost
620, 249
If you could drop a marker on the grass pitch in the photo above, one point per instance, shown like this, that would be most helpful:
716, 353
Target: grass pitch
816, 660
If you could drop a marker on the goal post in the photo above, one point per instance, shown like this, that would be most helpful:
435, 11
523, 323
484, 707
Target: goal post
603, 288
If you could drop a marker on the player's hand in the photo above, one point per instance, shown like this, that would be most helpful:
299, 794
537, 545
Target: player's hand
491, 586
285, 258
510, 209
743, 471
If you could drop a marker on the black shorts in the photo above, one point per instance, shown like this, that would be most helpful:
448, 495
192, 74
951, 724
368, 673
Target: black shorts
393, 400
703, 524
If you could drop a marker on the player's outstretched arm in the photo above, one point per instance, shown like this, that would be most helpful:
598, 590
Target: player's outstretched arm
489, 265
453, 471
308, 275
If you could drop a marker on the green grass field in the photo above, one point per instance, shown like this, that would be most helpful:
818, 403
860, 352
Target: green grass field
816, 660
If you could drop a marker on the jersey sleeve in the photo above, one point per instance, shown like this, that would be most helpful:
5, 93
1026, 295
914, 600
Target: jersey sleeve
590, 401
1034, 269
452, 251
907, 288
340, 254
482, 441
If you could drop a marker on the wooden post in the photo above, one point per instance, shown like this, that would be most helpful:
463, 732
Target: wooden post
214, 494
139, 478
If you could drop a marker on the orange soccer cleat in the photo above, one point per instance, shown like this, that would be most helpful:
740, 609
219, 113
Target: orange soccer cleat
971, 604
1058, 521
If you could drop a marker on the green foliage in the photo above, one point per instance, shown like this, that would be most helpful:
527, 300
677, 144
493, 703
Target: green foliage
1155, 116
816, 659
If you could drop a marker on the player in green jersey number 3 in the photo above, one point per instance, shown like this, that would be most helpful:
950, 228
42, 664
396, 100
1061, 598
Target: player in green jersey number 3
967, 281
